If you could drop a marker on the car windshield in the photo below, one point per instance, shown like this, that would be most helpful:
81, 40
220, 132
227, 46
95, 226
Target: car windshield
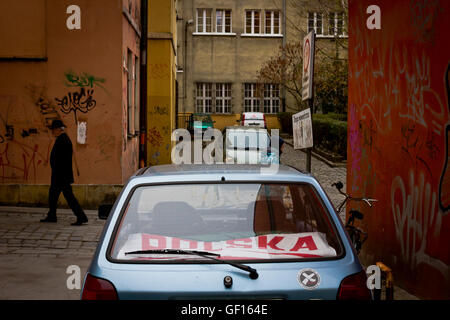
247, 139
245, 221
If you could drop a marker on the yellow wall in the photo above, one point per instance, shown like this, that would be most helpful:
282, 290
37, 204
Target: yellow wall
160, 13
160, 81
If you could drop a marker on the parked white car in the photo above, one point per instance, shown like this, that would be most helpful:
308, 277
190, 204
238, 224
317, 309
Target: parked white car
248, 145
255, 119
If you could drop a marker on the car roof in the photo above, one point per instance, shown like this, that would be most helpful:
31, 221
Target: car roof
214, 169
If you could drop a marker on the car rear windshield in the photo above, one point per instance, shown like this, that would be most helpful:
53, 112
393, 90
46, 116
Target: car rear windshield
249, 221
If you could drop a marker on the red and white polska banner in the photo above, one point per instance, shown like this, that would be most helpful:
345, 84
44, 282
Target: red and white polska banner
270, 246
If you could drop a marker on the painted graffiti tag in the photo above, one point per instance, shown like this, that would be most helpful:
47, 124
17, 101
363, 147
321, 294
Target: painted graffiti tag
444, 181
83, 80
423, 16
154, 137
81, 100
32, 158
47, 110
415, 215
9, 129
159, 110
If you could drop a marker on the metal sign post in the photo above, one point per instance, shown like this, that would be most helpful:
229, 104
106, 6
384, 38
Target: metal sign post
307, 82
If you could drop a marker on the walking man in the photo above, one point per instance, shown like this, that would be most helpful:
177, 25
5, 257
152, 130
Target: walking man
62, 175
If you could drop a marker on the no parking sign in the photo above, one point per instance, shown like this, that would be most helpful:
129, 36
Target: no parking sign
308, 66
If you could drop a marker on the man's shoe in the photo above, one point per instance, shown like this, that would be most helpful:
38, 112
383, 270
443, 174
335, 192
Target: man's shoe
49, 219
79, 222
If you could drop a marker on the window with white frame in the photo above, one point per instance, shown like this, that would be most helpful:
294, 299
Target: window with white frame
272, 22
251, 99
223, 97
204, 98
223, 21
336, 24
204, 20
271, 98
315, 22
253, 21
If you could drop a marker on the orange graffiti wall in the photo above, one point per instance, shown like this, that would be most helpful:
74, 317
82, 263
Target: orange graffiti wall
398, 131
76, 76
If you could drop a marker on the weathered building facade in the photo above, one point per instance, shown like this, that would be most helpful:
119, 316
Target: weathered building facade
77, 61
222, 45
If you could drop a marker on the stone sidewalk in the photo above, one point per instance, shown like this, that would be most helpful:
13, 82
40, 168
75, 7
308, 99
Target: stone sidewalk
34, 256
325, 174
21, 233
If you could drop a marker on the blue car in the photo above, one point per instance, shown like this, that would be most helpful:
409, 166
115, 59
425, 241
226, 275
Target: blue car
223, 232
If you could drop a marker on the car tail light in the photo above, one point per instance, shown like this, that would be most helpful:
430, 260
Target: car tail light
243, 119
354, 287
98, 289
265, 124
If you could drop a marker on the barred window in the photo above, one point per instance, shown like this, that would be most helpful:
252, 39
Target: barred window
336, 24
204, 98
251, 99
223, 97
315, 22
271, 98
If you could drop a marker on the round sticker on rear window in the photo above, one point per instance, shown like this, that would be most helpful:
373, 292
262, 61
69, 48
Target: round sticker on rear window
308, 278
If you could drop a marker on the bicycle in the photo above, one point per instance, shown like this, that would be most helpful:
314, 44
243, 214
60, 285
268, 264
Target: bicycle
357, 236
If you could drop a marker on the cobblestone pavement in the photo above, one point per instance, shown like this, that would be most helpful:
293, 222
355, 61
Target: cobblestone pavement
34, 256
21, 233
325, 174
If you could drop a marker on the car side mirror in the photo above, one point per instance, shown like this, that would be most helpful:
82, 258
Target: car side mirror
104, 211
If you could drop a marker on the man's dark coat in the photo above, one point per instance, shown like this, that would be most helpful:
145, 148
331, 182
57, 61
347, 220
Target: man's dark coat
61, 160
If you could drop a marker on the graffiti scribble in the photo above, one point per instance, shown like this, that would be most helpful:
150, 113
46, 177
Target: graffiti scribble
154, 137
83, 80
81, 100
47, 109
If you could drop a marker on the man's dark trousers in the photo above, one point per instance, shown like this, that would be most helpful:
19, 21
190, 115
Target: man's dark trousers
66, 189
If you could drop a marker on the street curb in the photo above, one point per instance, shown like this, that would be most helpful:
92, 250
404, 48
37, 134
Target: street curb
319, 157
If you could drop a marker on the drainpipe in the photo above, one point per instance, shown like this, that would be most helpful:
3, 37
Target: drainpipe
186, 24
283, 89
143, 88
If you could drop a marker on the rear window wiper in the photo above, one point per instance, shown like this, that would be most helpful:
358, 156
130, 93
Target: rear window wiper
253, 274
